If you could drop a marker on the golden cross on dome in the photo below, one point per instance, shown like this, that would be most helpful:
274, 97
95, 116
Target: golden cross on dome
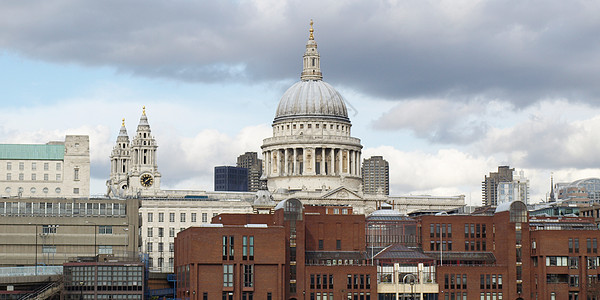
311, 37
144, 110
123, 124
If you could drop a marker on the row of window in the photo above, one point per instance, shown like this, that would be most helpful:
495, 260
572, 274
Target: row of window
455, 281
490, 296
33, 166
592, 245
45, 209
358, 281
440, 230
456, 296
247, 278
247, 248
182, 217
475, 231
337, 127
571, 262
149, 247
102, 249
490, 281
34, 177
321, 281
160, 263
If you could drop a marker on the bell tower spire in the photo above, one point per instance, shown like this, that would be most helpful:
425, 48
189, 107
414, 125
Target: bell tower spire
311, 61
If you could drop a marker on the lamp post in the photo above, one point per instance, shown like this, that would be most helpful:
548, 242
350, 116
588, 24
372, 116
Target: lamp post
81, 283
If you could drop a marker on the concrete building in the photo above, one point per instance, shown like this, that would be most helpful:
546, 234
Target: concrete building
250, 161
52, 170
231, 179
50, 231
104, 277
376, 175
515, 190
489, 186
310, 252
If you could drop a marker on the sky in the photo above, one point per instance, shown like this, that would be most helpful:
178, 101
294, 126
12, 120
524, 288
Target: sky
445, 90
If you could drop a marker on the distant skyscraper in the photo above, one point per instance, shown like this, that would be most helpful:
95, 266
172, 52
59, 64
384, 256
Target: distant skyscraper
250, 161
376, 176
489, 186
515, 190
231, 179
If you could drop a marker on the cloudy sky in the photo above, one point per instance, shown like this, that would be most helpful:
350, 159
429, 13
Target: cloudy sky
445, 90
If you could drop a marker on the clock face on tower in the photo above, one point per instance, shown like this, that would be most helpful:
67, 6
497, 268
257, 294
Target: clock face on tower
146, 180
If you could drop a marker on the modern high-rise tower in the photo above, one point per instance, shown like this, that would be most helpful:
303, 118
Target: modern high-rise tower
489, 186
376, 175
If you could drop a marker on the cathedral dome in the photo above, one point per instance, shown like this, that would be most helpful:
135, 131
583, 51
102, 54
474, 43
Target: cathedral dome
311, 98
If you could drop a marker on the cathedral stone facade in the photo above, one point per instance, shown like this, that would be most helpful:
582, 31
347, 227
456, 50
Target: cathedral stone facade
312, 149
133, 166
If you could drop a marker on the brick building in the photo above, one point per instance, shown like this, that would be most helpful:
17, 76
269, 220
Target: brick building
311, 252
507, 255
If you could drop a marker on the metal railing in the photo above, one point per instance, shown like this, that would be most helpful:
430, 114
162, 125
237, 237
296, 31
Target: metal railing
30, 271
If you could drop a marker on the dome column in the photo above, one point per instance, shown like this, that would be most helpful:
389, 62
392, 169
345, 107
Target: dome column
295, 162
286, 171
332, 163
322, 165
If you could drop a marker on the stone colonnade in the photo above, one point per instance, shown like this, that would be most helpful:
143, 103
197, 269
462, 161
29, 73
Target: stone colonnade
312, 161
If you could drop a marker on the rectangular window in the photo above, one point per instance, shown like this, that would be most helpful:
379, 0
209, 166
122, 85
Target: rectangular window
105, 229
150, 217
46, 177
8, 176
57, 166
161, 217
193, 217
46, 166
76, 191
149, 231
21, 166
576, 245
48, 249
58, 177
588, 242
149, 247
104, 249
338, 244
160, 247
244, 247
33, 177
228, 276
171, 217
21, 176
76, 174
248, 275
171, 232
320, 244
449, 230
8, 166
595, 245
431, 230
161, 232
171, 247
204, 217
182, 217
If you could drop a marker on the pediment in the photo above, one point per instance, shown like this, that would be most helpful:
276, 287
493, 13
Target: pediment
341, 193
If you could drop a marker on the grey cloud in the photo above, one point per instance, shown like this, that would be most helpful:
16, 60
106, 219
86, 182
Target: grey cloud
517, 51
438, 121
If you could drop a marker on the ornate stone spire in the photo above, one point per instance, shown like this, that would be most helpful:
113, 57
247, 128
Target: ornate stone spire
143, 120
123, 131
311, 62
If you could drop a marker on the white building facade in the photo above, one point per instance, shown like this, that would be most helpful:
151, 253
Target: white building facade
53, 170
517, 189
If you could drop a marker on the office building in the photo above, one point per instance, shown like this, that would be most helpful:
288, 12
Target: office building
515, 190
231, 179
489, 186
250, 161
376, 175
298, 252
52, 170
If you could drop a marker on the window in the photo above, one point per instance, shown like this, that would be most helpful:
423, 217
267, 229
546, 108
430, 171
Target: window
171, 232
204, 217
573, 262
75, 190
103, 249
338, 244
320, 244
33, 177
149, 217
8, 176
161, 217
182, 217
47, 229
57, 166
48, 249
58, 177
228, 276
160, 247
76, 174
149, 247
161, 232
21, 166
576, 245
171, 217
46, 166
149, 231
46, 177
21, 176
8, 166
171, 247
193, 217
105, 229
248, 275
